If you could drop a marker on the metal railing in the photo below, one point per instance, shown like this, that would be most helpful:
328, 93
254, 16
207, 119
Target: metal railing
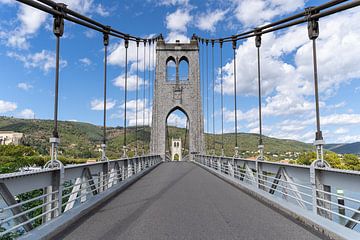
30, 199
330, 193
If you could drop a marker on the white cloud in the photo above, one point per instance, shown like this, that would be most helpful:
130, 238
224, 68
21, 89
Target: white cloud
256, 12
341, 119
178, 20
288, 87
6, 2
32, 19
44, 60
24, 86
131, 82
117, 55
341, 130
144, 115
173, 2
177, 120
177, 23
100, 9
207, 22
98, 105
85, 61
7, 106
27, 114
173, 36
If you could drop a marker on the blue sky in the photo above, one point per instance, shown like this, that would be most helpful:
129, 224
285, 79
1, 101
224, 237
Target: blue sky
27, 64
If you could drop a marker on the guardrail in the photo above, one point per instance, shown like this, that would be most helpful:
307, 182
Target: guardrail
31, 199
330, 193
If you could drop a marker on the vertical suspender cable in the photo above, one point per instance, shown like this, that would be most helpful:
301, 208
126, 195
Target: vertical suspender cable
258, 44
207, 87
106, 43
222, 100
313, 33
56, 102
144, 95
58, 30
149, 89
213, 92
137, 96
235, 98
203, 82
125, 97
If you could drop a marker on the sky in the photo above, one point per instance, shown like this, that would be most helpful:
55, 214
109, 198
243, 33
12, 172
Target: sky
27, 60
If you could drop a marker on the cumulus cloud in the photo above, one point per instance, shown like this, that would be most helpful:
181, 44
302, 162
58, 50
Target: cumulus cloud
27, 114
177, 23
178, 20
256, 12
24, 86
6, 106
207, 21
98, 104
117, 55
44, 60
144, 114
31, 20
131, 82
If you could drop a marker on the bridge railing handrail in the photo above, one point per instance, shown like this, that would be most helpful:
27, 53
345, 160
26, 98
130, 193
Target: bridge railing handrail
60, 190
328, 192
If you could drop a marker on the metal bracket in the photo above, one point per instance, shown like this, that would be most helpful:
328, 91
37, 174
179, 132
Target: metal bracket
257, 37
106, 36
313, 23
234, 42
58, 27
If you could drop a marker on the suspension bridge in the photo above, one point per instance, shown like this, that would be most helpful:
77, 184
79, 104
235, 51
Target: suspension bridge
208, 196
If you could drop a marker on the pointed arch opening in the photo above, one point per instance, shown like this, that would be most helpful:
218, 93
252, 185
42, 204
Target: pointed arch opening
171, 69
184, 69
177, 127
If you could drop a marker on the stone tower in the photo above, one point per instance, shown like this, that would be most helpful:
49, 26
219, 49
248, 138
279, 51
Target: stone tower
177, 93
176, 149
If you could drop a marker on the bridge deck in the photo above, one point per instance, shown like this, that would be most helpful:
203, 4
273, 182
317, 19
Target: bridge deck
184, 201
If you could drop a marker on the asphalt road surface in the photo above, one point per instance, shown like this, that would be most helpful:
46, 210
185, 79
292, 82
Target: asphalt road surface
180, 200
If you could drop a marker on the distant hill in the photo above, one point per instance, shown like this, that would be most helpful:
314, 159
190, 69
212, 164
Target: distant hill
344, 148
82, 140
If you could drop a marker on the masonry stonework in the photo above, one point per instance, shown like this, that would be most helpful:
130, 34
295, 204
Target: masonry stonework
177, 95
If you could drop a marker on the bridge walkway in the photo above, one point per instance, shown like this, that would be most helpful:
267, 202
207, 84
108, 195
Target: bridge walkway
180, 200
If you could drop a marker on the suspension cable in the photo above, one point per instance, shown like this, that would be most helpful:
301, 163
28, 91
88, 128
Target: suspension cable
125, 97
313, 33
294, 19
258, 45
149, 89
144, 95
235, 97
213, 92
222, 100
203, 82
106, 43
207, 87
58, 30
137, 96
51, 7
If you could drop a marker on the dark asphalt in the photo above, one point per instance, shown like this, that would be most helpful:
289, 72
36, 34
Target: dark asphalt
183, 201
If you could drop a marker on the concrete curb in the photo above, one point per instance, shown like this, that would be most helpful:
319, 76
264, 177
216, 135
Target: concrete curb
57, 226
321, 225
